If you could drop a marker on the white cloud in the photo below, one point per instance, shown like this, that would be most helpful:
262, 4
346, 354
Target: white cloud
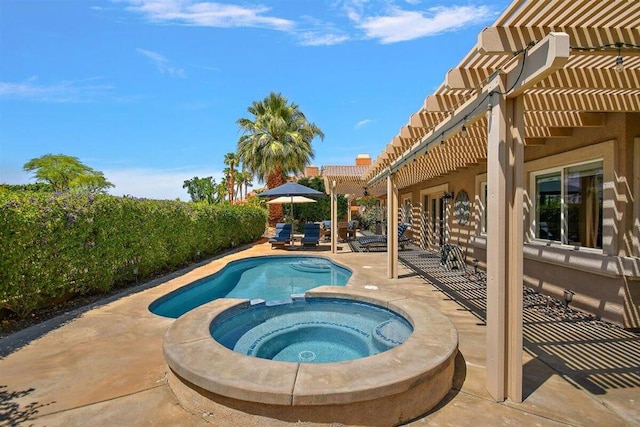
402, 25
362, 123
65, 91
162, 63
313, 38
155, 183
208, 14
388, 21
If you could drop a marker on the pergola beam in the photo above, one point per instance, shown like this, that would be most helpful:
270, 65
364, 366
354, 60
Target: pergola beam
559, 100
576, 76
507, 40
548, 132
564, 119
467, 78
588, 78
542, 60
621, 101
548, 55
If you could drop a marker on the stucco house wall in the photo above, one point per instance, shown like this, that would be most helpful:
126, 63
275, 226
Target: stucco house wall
606, 282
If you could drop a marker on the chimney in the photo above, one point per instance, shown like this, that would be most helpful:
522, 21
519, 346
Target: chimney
363, 160
311, 171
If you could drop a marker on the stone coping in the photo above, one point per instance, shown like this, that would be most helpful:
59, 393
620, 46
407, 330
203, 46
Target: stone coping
194, 356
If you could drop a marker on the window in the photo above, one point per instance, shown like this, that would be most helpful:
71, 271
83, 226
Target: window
568, 205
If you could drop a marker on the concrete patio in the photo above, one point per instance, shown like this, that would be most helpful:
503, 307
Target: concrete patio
105, 366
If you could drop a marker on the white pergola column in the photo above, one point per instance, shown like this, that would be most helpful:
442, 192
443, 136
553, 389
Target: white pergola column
334, 218
505, 178
392, 227
636, 195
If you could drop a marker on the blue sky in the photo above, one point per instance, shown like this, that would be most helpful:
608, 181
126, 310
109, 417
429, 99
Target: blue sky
149, 91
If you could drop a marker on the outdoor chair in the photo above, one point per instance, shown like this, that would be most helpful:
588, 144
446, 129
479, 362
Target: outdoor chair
343, 231
451, 257
369, 242
283, 235
352, 229
326, 230
311, 234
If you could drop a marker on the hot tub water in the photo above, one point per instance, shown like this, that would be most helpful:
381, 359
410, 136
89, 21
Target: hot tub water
314, 330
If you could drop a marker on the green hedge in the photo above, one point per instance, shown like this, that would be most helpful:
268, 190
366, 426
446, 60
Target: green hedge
53, 247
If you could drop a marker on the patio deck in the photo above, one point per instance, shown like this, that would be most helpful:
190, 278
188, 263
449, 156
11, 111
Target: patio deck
105, 366
595, 356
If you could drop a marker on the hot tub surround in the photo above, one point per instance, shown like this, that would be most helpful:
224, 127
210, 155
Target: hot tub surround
385, 389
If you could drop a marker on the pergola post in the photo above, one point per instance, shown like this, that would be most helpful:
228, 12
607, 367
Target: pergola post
505, 169
505, 176
392, 227
334, 218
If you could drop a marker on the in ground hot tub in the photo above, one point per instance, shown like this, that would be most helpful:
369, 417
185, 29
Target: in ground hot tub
310, 330
400, 371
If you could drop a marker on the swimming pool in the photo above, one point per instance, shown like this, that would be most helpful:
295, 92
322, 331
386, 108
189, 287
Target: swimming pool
270, 278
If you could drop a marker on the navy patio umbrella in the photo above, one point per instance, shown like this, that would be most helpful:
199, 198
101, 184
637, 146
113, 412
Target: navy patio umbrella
291, 189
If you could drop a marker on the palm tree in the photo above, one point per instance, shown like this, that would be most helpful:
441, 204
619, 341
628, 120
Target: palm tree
276, 142
221, 190
231, 160
239, 181
247, 181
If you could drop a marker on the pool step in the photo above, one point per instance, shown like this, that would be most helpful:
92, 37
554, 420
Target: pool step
389, 334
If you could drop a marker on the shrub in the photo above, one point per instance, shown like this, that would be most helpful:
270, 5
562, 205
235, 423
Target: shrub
56, 246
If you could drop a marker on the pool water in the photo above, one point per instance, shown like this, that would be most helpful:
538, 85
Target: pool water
311, 330
270, 278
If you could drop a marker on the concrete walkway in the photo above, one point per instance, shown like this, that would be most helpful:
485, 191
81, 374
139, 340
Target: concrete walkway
106, 367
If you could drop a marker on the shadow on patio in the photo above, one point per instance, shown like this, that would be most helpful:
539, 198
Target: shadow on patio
591, 354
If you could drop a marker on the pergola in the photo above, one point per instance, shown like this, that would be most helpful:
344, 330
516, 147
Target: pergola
542, 69
348, 180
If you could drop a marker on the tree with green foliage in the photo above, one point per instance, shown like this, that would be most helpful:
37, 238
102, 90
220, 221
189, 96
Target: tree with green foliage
65, 173
231, 160
321, 210
201, 189
276, 141
239, 180
37, 187
221, 190
247, 181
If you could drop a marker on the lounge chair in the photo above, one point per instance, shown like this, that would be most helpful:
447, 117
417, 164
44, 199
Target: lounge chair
283, 235
311, 234
369, 242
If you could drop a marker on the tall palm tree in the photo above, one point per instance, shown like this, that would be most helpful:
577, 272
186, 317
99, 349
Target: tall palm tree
239, 181
231, 160
247, 180
276, 142
221, 190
